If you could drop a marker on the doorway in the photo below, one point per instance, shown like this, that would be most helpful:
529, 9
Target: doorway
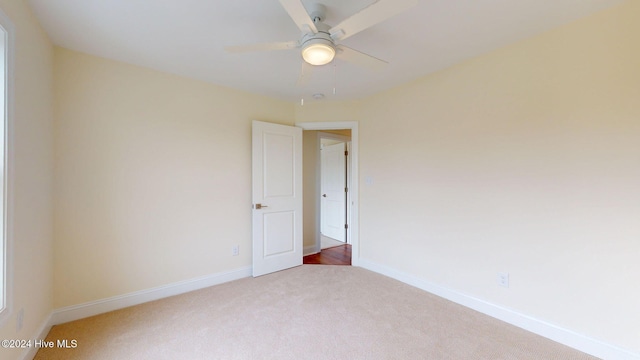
313, 135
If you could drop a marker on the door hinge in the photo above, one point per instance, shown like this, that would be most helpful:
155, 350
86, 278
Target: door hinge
346, 153
346, 226
346, 189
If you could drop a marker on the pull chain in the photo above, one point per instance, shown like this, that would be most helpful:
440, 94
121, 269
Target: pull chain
334, 79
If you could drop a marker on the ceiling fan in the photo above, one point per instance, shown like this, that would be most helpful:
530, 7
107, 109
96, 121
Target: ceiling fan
319, 41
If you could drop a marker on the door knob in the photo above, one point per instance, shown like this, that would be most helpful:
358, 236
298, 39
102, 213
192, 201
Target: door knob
260, 206
324, 195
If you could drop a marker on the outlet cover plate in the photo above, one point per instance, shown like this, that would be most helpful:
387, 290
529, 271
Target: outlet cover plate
503, 279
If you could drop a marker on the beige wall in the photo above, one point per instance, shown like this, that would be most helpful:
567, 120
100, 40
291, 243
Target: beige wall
525, 161
323, 111
32, 177
153, 177
343, 132
310, 175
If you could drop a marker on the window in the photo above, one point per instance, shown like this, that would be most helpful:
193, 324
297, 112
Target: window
6, 50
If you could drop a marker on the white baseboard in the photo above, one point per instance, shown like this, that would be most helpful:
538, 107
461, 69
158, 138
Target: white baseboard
75, 312
41, 334
561, 335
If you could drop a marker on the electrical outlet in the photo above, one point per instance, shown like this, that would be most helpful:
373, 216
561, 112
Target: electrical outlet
235, 251
368, 180
19, 320
503, 279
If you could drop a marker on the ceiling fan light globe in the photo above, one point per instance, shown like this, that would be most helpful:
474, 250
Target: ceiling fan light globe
318, 54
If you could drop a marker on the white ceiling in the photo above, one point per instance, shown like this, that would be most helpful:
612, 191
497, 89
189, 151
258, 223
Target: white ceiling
187, 37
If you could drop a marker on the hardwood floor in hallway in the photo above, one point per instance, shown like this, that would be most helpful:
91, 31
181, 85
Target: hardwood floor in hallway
337, 255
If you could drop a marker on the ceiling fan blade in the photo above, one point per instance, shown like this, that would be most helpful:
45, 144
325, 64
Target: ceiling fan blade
361, 59
298, 13
369, 16
262, 47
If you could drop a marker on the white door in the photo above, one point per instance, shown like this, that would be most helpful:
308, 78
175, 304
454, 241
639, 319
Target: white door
333, 174
277, 197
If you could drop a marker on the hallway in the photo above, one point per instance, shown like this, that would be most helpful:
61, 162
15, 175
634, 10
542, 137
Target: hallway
337, 255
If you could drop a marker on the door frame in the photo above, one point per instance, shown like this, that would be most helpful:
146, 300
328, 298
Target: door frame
354, 226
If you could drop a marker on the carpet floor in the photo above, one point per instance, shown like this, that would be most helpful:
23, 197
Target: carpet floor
308, 312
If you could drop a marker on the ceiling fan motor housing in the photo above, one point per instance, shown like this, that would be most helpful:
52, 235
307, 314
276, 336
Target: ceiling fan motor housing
318, 48
322, 36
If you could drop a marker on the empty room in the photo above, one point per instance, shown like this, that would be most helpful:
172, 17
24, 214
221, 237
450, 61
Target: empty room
166, 182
